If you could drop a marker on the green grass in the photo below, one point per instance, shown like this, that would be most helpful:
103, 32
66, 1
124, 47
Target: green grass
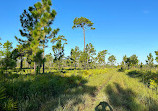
81, 90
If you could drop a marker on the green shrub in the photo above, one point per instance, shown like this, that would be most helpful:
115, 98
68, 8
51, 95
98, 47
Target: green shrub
30, 91
121, 69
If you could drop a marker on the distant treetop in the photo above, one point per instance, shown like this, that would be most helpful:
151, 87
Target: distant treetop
83, 23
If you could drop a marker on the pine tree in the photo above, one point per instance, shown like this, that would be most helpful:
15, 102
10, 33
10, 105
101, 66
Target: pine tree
101, 57
58, 49
7, 61
90, 52
150, 60
83, 59
75, 53
84, 23
112, 59
28, 23
45, 17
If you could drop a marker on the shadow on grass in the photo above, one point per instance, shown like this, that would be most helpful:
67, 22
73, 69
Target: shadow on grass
144, 76
122, 99
125, 99
44, 91
103, 106
135, 74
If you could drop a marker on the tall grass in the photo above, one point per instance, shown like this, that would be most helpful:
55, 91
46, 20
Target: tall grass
82, 90
126, 93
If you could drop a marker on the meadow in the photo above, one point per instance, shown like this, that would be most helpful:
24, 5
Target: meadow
38, 73
79, 90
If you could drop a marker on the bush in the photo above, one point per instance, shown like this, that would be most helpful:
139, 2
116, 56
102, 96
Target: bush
33, 90
121, 69
6, 103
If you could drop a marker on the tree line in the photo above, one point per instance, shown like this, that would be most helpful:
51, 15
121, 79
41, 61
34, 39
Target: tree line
36, 32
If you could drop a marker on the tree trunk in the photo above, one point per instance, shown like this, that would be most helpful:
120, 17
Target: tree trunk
35, 67
43, 58
75, 64
25, 64
84, 38
49, 65
39, 69
21, 62
87, 64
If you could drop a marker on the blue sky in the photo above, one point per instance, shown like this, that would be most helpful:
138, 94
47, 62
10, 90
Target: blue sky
122, 26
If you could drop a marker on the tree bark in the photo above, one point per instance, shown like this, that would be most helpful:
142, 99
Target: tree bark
43, 58
75, 64
49, 65
35, 67
84, 38
87, 63
21, 62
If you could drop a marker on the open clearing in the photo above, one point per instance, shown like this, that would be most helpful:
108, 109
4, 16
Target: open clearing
111, 89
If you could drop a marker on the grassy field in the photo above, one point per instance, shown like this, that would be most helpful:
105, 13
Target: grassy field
81, 90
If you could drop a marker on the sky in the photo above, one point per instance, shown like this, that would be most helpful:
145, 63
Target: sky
122, 26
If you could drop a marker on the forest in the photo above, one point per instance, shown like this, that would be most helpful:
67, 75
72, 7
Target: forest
33, 79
